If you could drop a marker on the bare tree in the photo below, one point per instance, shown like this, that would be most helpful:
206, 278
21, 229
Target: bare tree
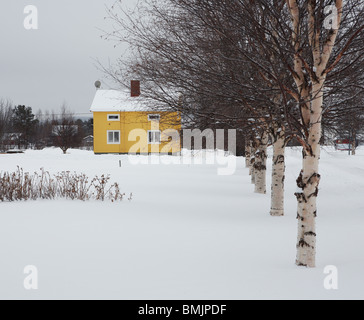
65, 131
209, 66
6, 111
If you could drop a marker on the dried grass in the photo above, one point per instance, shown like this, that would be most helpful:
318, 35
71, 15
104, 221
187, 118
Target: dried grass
22, 186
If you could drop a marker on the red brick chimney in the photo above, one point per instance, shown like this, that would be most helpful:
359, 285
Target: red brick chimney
135, 88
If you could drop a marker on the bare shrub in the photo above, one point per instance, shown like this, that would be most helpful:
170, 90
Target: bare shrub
22, 186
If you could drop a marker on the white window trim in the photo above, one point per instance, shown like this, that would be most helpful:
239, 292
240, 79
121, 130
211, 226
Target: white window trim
113, 115
160, 137
113, 143
154, 115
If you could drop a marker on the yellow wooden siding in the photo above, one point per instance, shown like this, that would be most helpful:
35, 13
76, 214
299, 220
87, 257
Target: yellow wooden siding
127, 123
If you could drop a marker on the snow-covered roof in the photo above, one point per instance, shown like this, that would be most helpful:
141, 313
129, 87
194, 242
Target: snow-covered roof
116, 101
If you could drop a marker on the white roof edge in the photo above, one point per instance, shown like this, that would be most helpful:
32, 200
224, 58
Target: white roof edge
117, 101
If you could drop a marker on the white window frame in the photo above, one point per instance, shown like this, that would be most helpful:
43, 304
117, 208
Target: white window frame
154, 115
113, 131
155, 142
113, 115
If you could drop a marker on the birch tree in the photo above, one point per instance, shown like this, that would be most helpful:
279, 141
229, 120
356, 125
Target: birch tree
321, 40
260, 165
278, 170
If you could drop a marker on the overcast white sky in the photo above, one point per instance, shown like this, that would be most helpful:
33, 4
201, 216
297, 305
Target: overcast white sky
44, 68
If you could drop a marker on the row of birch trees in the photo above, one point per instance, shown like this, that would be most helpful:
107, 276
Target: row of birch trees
275, 70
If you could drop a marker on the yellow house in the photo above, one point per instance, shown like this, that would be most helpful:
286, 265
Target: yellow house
123, 124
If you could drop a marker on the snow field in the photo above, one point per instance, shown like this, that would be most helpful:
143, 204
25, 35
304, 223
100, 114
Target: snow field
188, 233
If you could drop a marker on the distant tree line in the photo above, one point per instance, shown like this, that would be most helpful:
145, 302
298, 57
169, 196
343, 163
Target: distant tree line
20, 128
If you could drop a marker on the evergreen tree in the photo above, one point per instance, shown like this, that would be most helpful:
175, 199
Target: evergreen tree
24, 122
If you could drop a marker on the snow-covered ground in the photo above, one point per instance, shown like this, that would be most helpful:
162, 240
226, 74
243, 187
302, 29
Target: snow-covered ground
188, 233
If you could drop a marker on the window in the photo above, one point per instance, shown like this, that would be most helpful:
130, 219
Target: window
154, 137
113, 117
154, 117
113, 137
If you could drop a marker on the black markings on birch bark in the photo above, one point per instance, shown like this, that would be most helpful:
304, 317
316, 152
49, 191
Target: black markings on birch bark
278, 171
260, 166
247, 154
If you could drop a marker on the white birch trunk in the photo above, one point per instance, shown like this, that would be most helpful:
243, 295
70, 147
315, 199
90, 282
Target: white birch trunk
252, 161
252, 170
278, 175
311, 113
260, 166
308, 182
353, 147
247, 154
